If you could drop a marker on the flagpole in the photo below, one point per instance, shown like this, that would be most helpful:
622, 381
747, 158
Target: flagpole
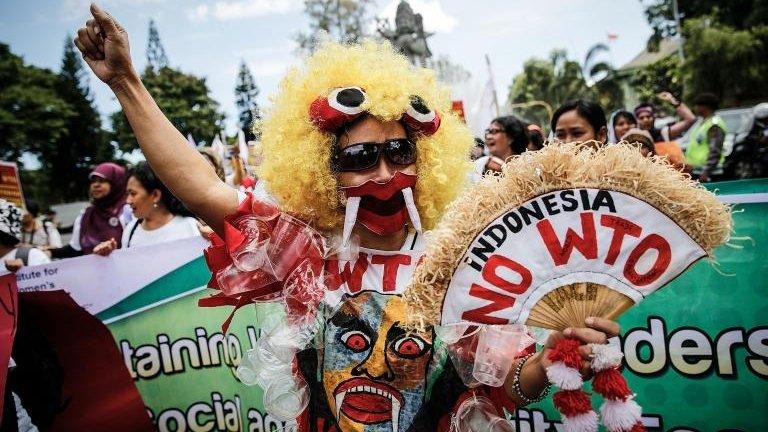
676, 13
493, 84
611, 39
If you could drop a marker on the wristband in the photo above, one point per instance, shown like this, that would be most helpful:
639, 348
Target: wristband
519, 391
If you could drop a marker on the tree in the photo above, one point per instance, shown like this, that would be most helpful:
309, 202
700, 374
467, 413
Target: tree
739, 14
726, 44
33, 117
72, 157
602, 77
156, 58
727, 62
246, 92
554, 81
183, 98
664, 75
342, 20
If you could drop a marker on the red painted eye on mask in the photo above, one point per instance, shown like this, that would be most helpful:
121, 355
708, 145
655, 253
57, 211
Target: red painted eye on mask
420, 118
410, 347
340, 107
355, 340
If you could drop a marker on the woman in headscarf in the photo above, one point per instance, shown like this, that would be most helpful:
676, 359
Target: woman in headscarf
105, 218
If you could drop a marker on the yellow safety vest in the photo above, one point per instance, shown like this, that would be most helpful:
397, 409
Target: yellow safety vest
698, 147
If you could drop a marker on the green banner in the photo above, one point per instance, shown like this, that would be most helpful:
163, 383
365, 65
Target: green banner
696, 351
181, 362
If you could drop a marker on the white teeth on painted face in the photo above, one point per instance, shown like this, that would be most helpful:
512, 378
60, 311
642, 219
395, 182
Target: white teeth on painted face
339, 401
413, 212
366, 389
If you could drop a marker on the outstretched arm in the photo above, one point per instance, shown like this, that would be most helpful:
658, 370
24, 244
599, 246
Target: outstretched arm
104, 45
687, 118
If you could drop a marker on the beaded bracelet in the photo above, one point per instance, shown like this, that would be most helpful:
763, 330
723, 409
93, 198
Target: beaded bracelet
519, 391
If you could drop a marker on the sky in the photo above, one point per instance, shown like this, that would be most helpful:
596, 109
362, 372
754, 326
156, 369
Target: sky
210, 38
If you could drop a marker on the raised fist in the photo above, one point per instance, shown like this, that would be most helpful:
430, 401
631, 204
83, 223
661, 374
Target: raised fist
667, 97
104, 45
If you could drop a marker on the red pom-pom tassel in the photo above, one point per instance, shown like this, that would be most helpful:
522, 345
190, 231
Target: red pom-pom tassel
567, 351
611, 384
572, 402
638, 427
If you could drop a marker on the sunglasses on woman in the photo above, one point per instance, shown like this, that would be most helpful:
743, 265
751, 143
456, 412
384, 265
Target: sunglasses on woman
363, 156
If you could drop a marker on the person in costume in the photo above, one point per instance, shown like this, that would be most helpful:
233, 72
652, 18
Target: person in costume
362, 149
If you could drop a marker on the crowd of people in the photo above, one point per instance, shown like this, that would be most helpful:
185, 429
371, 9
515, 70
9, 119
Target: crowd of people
132, 207
585, 121
129, 207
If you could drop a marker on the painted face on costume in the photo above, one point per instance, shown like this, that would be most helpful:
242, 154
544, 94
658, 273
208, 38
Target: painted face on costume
374, 372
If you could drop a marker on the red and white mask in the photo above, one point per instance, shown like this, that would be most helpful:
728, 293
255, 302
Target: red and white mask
383, 208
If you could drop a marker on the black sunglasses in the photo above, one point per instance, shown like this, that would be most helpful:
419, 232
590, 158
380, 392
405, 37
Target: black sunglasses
363, 156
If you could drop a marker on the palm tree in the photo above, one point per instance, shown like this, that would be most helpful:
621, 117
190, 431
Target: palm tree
601, 76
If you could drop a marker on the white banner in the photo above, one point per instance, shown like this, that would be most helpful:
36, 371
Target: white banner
574, 235
119, 275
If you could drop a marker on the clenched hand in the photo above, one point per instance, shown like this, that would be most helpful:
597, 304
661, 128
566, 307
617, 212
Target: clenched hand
103, 43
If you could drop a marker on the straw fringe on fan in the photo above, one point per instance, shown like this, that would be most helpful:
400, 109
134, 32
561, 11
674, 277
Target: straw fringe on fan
619, 168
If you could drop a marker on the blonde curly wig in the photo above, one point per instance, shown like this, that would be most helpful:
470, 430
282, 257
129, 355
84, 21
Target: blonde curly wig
296, 167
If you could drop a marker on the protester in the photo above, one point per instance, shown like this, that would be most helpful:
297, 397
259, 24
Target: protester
636, 136
505, 137
621, 122
478, 150
646, 117
159, 216
580, 120
105, 218
749, 157
705, 148
38, 232
536, 136
13, 254
364, 138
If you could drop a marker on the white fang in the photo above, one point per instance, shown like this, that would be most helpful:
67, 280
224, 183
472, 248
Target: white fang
413, 212
350, 217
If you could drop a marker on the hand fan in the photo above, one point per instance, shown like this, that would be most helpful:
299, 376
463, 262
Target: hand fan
562, 234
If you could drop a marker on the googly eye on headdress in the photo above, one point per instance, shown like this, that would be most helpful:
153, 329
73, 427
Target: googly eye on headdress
420, 118
340, 107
